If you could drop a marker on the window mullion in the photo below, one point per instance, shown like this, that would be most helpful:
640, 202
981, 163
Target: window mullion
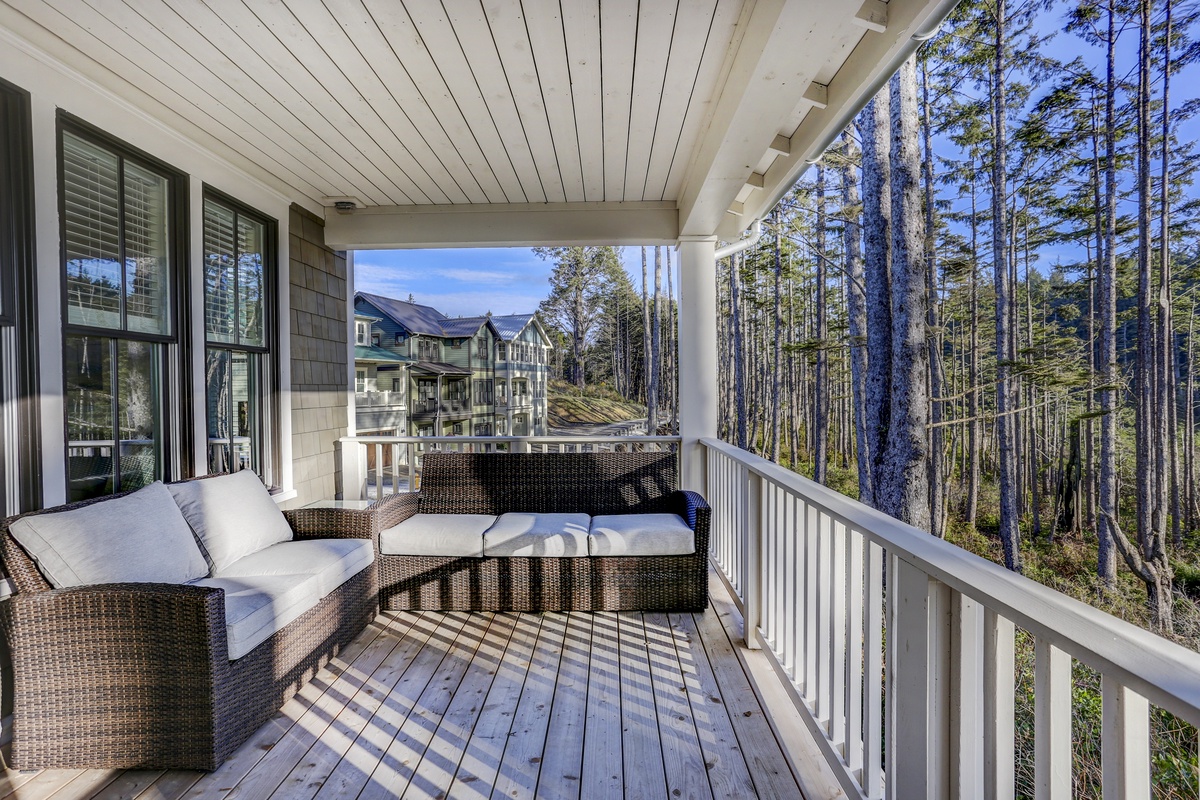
115, 404
121, 250
237, 277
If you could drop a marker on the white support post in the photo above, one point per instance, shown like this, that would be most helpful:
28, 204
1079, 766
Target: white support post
697, 355
354, 470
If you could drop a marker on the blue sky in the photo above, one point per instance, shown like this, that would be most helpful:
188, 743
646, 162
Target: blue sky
466, 282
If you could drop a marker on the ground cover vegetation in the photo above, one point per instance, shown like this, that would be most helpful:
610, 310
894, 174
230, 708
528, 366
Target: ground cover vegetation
978, 313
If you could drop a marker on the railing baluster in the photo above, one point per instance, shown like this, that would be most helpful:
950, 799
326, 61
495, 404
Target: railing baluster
873, 679
752, 596
811, 604
1125, 742
918, 717
788, 604
796, 603
966, 697
1051, 721
855, 674
778, 589
837, 649
999, 690
824, 616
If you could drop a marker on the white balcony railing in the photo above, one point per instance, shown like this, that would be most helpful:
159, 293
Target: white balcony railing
373, 399
383, 465
898, 649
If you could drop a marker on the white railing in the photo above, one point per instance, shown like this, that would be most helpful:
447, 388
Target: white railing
372, 398
383, 465
898, 649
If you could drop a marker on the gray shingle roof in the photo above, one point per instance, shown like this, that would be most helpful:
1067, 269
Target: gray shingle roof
425, 320
466, 326
510, 326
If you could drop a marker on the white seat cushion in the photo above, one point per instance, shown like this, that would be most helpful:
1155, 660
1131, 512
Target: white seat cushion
139, 538
258, 606
232, 516
333, 561
519, 534
437, 535
640, 535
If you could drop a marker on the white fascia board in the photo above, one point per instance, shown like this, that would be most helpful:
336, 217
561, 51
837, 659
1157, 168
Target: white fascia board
511, 225
784, 45
869, 65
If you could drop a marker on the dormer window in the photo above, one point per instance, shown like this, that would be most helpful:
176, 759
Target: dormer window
360, 333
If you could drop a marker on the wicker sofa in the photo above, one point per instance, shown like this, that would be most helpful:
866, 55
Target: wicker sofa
571, 483
138, 674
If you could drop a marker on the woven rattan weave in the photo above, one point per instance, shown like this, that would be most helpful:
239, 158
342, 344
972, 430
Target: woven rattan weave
590, 483
138, 675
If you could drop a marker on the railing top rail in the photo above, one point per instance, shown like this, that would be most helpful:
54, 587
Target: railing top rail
1160, 670
582, 439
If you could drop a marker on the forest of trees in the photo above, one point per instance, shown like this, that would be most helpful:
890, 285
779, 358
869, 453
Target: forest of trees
985, 292
609, 331
977, 311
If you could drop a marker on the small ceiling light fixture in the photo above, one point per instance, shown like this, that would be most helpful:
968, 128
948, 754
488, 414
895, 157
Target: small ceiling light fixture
343, 205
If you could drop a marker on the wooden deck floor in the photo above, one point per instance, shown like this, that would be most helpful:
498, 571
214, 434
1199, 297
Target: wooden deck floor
432, 705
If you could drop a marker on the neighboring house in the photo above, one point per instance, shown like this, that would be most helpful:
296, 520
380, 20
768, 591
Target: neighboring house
380, 382
460, 377
522, 374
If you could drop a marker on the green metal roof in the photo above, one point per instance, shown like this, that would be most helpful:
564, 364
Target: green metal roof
373, 353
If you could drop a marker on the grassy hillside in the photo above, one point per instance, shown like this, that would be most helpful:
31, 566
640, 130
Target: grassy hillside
593, 406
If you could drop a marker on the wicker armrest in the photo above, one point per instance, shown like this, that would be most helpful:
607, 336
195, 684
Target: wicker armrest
394, 509
93, 633
696, 513
332, 523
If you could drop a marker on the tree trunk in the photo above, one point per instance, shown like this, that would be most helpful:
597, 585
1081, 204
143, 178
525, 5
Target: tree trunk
1107, 500
903, 492
655, 345
739, 340
937, 433
975, 448
647, 357
1151, 408
821, 388
1005, 356
856, 302
777, 347
875, 127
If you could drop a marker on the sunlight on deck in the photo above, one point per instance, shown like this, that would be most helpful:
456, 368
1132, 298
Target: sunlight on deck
477, 705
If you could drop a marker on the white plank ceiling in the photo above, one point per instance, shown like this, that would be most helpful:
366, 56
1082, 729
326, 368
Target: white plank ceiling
427, 103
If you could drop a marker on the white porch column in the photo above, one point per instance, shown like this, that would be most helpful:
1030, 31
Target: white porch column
697, 355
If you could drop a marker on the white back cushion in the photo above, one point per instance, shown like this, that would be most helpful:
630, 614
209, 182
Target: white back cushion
232, 516
139, 538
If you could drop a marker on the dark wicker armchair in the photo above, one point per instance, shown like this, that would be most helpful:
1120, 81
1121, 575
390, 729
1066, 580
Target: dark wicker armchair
137, 675
591, 483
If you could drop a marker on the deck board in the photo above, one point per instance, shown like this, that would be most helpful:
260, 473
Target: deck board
474, 706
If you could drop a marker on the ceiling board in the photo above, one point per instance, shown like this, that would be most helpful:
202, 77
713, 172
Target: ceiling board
416, 103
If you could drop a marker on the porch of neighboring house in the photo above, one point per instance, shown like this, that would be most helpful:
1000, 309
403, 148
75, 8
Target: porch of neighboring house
556, 705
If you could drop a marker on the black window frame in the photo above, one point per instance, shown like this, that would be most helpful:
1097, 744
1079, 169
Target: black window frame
173, 365
18, 296
269, 368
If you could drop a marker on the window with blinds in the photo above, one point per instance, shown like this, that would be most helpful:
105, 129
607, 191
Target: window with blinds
115, 235
122, 412
233, 276
237, 244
